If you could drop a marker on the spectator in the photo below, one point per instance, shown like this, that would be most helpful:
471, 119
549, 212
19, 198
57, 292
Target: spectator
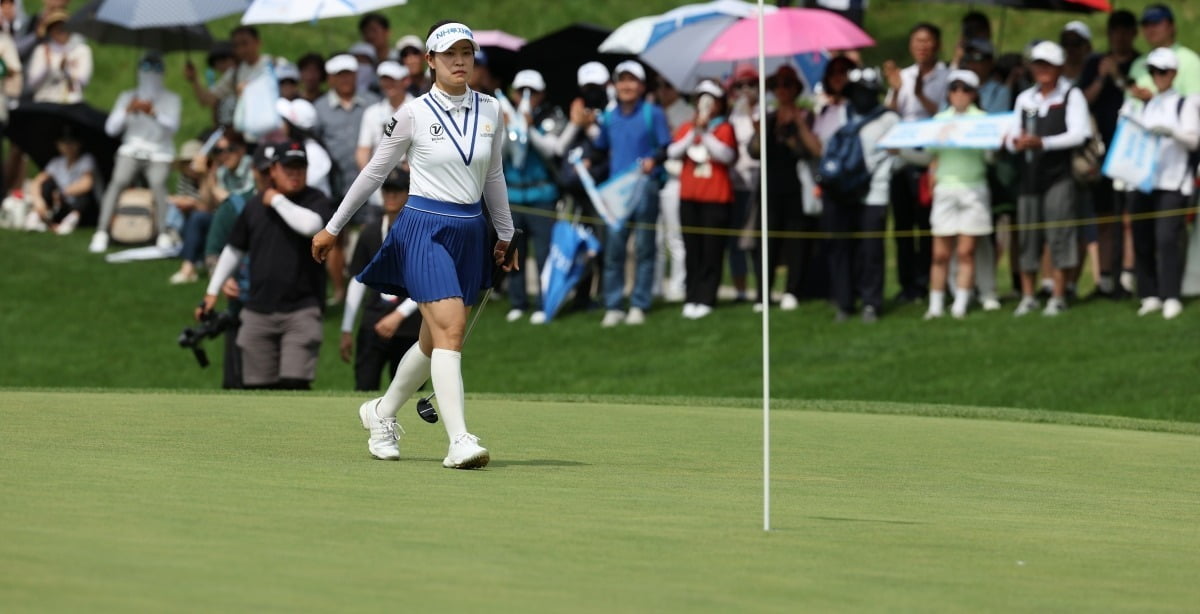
281, 330
961, 205
915, 93
482, 78
365, 79
531, 185
857, 264
312, 77
11, 80
1158, 242
1050, 119
32, 32
146, 119
1076, 41
393, 82
60, 67
251, 64
975, 26
195, 211
1104, 80
220, 61
1158, 26
994, 94
376, 31
63, 192
299, 119
635, 135
790, 140
19, 28
708, 147
411, 51
670, 235
390, 323
289, 80
743, 116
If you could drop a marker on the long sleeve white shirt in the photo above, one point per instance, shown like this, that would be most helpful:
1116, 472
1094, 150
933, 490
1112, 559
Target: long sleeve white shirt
58, 73
146, 136
1079, 121
1181, 116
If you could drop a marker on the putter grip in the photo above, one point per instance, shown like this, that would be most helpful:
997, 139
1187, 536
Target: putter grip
512, 246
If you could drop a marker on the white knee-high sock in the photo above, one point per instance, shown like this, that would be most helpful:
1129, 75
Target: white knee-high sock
446, 372
412, 371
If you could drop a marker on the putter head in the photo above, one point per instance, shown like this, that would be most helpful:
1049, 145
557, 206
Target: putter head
426, 411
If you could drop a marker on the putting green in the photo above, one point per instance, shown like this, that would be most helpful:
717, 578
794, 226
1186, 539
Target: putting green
235, 502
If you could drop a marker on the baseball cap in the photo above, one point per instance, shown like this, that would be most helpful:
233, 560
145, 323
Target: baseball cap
51, 19
410, 41
967, 77
446, 35
1080, 28
299, 112
979, 49
285, 72
1047, 51
531, 79
710, 87
1163, 58
291, 153
1156, 13
397, 180
264, 155
341, 63
362, 48
632, 67
391, 69
592, 73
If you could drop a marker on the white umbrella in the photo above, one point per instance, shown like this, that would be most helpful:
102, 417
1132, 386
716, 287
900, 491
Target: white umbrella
639, 34
297, 11
139, 14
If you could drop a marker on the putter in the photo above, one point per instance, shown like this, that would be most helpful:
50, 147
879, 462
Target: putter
425, 407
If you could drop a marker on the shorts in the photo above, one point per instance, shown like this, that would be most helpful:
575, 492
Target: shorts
279, 346
965, 210
1037, 215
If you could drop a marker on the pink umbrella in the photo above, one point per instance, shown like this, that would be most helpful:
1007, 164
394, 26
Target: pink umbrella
789, 31
499, 38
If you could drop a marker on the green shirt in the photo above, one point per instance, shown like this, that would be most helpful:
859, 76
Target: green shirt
960, 168
1187, 78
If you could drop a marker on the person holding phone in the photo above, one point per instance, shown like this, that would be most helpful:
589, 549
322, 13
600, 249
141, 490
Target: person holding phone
435, 250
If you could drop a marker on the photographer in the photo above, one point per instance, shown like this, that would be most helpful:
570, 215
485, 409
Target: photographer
281, 321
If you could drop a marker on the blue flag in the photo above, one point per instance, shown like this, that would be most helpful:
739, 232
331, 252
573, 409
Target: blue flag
571, 246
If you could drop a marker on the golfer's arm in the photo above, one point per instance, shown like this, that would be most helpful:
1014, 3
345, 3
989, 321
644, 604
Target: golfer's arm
227, 264
495, 190
385, 158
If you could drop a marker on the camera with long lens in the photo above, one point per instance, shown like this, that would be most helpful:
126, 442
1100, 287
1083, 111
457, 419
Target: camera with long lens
212, 325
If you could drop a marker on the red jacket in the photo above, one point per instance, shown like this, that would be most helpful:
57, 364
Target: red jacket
715, 186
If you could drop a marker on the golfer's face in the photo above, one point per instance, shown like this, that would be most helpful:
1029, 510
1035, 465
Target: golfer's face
455, 65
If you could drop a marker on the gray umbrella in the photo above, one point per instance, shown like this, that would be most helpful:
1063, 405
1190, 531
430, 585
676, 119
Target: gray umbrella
167, 38
140, 14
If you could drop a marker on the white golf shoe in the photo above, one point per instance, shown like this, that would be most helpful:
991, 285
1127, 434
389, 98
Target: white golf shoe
635, 316
466, 453
384, 442
99, 242
1172, 308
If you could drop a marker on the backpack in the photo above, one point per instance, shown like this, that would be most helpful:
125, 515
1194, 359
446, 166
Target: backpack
133, 221
843, 168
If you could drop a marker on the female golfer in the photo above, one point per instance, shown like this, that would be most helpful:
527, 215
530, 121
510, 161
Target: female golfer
435, 249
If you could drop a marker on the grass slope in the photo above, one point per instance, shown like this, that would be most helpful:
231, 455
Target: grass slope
163, 502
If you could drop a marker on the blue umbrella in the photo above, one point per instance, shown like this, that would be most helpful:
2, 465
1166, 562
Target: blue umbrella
571, 246
137, 14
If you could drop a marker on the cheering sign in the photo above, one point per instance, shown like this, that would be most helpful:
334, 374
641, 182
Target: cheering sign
1133, 156
968, 132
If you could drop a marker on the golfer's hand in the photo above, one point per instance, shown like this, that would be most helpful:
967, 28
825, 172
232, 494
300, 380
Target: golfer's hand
498, 256
207, 305
322, 242
346, 347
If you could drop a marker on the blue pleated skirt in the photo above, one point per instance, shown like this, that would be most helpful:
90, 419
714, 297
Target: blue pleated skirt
434, 250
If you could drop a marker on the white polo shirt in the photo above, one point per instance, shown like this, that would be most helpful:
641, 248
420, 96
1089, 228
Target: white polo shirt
1079, 119
453, 153
933, 87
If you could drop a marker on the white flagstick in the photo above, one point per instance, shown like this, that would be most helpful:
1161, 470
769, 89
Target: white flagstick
764, 292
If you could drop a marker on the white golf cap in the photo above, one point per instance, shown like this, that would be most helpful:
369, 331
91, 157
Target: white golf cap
299, 112
632, 67
341, 63
286, 71
531, 79
1080, 28
1163, 58
392, 70
710, 87
410, 40
967, 77
593, 73
444, 37
1047, 51
363, 48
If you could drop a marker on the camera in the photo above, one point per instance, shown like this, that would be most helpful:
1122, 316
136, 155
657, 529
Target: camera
212, 325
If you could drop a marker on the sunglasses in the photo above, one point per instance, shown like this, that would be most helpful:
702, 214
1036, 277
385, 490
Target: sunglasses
216, 151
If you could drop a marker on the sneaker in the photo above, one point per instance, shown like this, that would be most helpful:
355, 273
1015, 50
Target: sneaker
689, 311
789, 302
1054, 307
34, 223
182, 277
1026, 306
674, 295
68, 224
612, 317
933, 314
385, 433
99, 242
514, 315
991, 304
636, 316
466, 453
700, 311
165, 241
1172, 308
869, 315
1150, 305
537, 317
1127, 281
958, 311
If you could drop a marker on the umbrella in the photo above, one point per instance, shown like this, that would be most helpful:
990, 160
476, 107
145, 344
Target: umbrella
35, 126
501, 50
1073, 6
499, 39
297, 11
638, 35
788, 32
559, 55
162, 38
571, 246
138, 14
